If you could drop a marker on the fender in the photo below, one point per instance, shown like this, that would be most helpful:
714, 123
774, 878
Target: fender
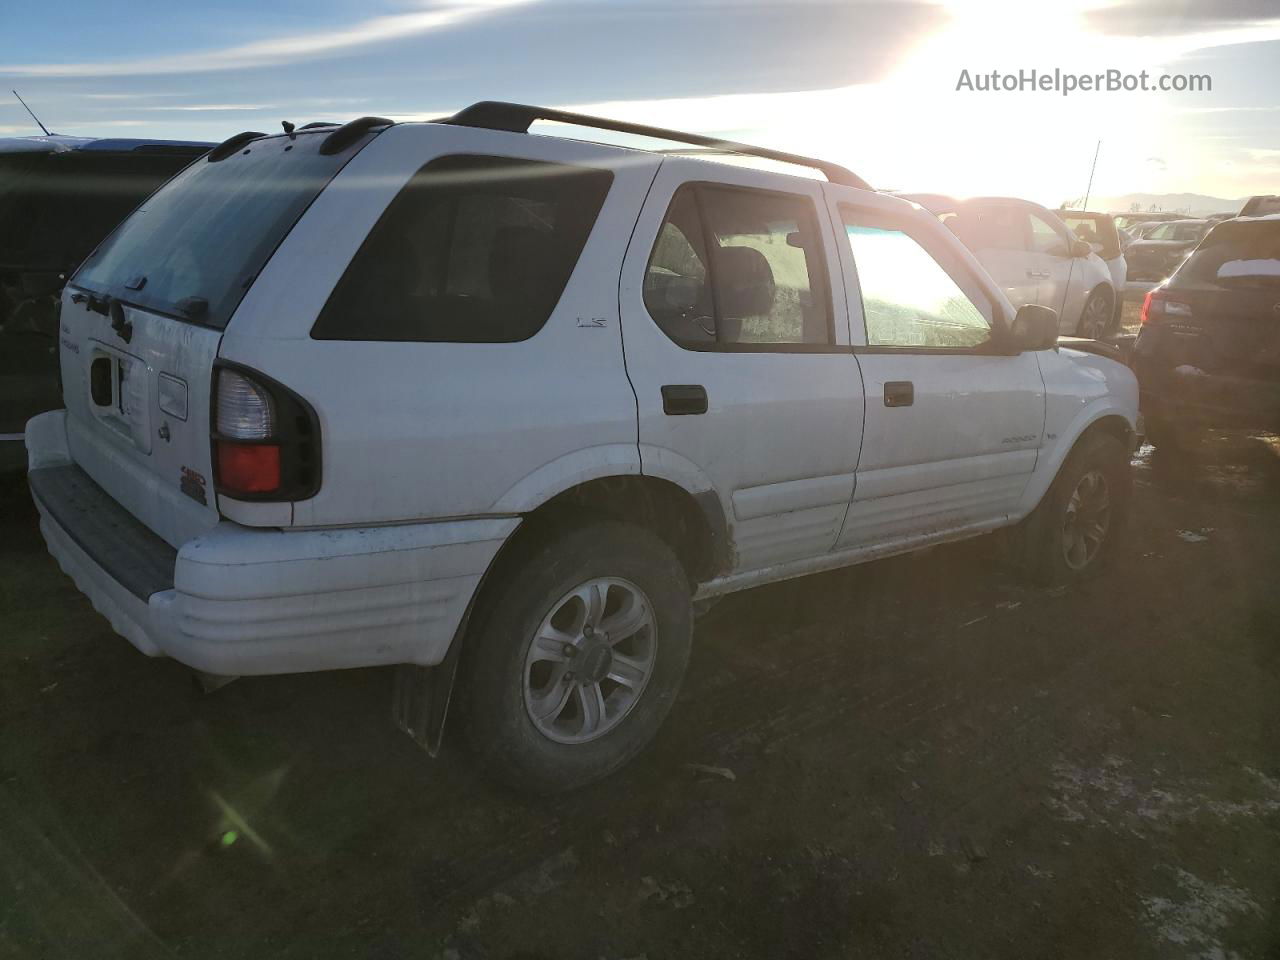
1051, 460
570, 470
665, 464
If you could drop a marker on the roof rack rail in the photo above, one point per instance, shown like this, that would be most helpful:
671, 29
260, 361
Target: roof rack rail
518, 117
350, 132
230, 145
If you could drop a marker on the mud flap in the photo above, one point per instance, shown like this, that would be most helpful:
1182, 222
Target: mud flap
420, 698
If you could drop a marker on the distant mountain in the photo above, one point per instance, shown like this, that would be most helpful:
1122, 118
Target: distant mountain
1189, 203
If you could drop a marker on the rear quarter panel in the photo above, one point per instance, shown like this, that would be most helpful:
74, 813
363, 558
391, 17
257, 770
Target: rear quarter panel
430, 430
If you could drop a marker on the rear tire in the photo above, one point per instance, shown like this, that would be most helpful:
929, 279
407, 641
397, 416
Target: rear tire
1096, 317
559, 685
1073, 533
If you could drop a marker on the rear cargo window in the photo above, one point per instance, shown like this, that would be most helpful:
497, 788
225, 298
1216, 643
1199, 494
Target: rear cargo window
473, 249
1237, 253
194, 248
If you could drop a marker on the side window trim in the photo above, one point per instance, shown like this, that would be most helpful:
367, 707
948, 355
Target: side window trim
820, 276
959, 272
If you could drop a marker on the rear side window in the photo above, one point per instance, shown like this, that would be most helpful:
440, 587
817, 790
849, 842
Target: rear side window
473, 249
195, 247
739, 269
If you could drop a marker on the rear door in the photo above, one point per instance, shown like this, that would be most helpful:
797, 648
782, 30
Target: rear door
952, 426
738, 352
142, 320
999, 235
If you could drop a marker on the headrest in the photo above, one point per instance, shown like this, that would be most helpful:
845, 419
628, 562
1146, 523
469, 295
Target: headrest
745, 283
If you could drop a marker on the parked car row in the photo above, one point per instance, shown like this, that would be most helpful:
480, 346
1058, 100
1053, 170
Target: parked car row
359, 395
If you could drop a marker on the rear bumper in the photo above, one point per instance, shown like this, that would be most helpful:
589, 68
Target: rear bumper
239, 601
1190, 394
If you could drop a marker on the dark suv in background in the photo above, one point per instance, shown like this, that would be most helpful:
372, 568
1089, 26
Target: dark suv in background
1208, 353
59, 197
1161, 249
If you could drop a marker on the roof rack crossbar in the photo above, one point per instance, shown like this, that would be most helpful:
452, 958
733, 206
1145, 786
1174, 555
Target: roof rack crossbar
518, 117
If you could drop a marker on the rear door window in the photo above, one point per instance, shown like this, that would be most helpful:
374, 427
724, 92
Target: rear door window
195, 247
736, 268
473, 249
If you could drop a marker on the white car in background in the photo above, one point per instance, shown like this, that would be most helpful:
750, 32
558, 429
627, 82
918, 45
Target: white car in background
1033, 257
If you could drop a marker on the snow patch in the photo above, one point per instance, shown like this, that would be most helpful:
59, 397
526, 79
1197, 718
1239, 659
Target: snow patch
1195, 918
1250, 268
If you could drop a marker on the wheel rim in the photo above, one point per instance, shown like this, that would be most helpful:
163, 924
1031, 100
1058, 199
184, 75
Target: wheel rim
1096, 314
590, 660
1087, 520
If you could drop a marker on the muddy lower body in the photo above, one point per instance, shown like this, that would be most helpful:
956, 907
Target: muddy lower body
914, 758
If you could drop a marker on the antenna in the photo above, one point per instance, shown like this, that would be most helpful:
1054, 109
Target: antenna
33, 114
1089, 188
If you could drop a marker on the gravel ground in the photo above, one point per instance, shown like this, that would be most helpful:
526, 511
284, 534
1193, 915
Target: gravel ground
915, 758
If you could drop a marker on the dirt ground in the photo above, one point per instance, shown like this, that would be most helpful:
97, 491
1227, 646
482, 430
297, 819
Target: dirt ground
914, 758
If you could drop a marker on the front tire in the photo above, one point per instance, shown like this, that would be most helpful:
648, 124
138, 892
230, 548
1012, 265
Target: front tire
577, 655
1073, 533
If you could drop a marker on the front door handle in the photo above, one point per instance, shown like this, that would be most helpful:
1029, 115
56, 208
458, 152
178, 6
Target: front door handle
1036, 275
899, 393
684, 399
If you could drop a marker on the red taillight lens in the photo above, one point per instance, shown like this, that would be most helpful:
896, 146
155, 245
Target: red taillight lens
1146, 308
1159, 305
247, 467
266, 438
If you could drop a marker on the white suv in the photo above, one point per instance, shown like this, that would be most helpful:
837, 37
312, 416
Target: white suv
453, 396
1034, 258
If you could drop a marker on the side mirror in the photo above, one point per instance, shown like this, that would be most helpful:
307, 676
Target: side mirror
1080, 248
1034, 328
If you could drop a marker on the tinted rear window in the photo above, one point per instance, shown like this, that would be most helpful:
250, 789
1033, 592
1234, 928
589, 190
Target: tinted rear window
1249, 252
194, 247
473, 249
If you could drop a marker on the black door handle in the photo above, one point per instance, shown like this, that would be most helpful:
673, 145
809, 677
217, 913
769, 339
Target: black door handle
899, 393
684, 399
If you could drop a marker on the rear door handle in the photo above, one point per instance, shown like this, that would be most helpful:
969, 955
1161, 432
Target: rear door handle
684, 399
899, 393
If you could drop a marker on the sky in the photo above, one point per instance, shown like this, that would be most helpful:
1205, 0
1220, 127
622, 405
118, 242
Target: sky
872, 85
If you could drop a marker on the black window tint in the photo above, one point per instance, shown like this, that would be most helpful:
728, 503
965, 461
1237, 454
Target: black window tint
735, 267
473, 249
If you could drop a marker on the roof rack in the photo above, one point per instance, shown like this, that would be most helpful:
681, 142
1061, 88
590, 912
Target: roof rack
518, 117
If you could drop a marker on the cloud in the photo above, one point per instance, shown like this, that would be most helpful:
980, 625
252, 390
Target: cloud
447, 13
1144, 18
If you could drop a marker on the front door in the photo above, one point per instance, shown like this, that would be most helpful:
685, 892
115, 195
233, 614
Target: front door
952, 426
739, 355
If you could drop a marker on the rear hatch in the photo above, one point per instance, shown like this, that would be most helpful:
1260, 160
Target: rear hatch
143, 317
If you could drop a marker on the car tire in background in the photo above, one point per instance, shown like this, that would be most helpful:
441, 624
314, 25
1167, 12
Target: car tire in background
578, 649
1074, 531
1097, 317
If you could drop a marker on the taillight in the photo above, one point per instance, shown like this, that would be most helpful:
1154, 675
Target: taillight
266, 439
1159, 305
